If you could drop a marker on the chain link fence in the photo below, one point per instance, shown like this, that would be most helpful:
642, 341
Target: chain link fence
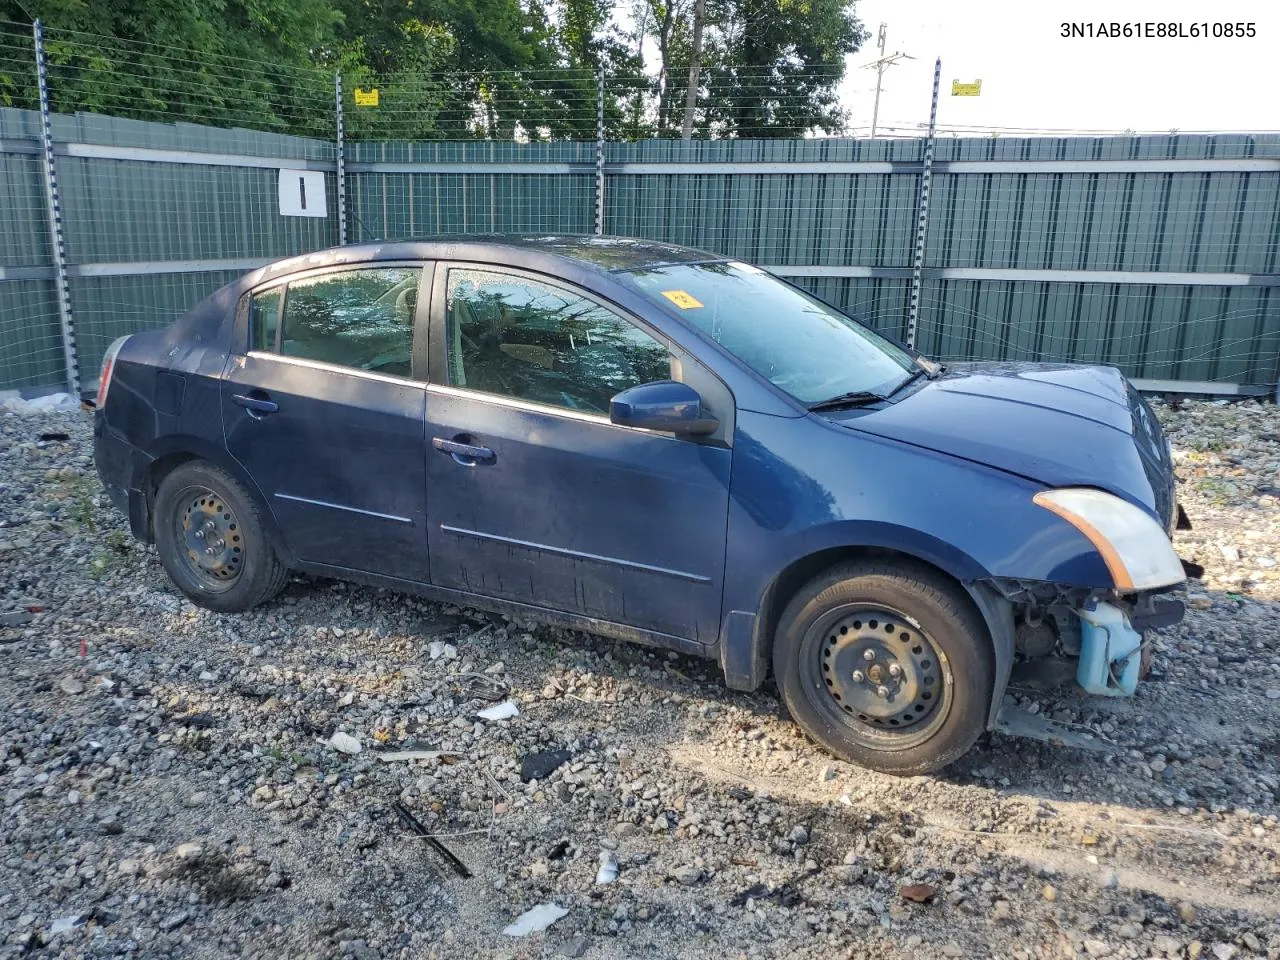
1157, 253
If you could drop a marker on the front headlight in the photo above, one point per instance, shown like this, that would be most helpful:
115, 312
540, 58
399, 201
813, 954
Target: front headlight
1135, 548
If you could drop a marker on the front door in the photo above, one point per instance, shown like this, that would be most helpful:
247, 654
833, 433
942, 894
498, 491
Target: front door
533, 495
325, 413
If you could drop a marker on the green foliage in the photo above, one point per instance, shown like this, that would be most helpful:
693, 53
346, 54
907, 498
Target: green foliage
80, 493
770, 67
454, 69
250, 62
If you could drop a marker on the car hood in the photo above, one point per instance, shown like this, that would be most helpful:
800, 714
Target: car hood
1059, 425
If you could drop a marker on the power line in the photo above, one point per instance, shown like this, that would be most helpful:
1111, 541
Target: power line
881, 65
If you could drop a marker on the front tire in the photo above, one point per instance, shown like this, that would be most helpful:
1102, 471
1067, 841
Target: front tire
212, 540
886, 664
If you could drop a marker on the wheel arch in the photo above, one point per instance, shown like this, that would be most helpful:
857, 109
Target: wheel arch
746, 646
173, 451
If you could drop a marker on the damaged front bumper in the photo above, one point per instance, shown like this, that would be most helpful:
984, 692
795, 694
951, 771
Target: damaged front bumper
1099, 640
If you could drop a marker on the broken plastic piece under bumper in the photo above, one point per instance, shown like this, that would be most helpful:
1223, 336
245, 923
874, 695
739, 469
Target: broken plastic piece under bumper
1110, 652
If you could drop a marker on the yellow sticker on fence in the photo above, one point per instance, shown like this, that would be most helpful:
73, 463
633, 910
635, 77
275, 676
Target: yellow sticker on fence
366, 98
681, 299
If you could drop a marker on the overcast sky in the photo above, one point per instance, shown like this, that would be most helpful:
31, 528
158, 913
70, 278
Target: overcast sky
1034, 78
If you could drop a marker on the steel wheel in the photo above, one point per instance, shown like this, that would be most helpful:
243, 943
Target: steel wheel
212, 539
209, 531
886, 662
882, 677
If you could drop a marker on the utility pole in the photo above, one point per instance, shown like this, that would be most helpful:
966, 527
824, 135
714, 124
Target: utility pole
881, 65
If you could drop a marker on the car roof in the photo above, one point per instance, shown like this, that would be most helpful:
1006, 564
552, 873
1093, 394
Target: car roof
594, 253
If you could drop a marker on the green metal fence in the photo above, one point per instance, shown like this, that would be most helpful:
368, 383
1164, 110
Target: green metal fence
1158, 254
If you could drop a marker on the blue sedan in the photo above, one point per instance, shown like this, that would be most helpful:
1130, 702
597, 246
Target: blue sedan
658, 445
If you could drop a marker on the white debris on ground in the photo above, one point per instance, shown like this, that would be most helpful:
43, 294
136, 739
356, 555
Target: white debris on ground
12, 402
170, 788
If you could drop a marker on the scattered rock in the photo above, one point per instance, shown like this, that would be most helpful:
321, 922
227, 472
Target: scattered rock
72, 685
918, 892
345, 743
687, 874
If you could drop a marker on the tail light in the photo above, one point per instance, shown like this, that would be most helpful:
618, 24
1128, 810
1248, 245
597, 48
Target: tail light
108, 365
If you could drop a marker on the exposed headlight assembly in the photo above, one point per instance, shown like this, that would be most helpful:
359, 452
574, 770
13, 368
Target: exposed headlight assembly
1134, 546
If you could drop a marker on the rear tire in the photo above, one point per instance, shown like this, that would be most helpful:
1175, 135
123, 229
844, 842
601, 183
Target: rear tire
886, 664
212, 540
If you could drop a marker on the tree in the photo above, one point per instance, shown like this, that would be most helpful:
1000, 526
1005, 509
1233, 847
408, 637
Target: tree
695, 66
769, 68
245, 62
445, 68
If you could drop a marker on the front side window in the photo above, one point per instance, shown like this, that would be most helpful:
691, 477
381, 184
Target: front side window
356, 318
530, 340
799, 344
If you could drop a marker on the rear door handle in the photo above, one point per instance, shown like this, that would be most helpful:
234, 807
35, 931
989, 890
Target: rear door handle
258, 406
467, 454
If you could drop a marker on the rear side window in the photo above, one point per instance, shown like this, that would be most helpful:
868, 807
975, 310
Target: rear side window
264, 317
356, 318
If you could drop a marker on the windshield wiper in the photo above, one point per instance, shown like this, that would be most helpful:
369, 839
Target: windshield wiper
855, 398
909, 379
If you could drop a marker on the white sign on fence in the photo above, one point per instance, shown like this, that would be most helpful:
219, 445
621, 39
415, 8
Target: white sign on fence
302, 194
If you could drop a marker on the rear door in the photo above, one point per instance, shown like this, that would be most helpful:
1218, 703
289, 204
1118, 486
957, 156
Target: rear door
535, 496
325, 411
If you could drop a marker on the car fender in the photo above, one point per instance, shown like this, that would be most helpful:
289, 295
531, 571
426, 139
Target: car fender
746, 636
202, 449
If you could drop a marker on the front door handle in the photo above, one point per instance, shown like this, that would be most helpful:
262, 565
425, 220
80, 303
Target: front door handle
467, 454
256, 403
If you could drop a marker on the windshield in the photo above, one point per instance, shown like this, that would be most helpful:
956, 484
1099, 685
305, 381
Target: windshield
799, 344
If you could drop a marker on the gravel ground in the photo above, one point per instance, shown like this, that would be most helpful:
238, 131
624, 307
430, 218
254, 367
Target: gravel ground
170, 788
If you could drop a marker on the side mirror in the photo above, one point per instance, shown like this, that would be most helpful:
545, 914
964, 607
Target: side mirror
663, 405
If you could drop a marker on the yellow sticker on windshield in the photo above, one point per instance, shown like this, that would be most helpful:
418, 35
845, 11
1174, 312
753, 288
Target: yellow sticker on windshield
681, 299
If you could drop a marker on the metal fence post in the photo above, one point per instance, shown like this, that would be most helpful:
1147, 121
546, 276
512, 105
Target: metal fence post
599, 153
922, 211
56, 237
341, 159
